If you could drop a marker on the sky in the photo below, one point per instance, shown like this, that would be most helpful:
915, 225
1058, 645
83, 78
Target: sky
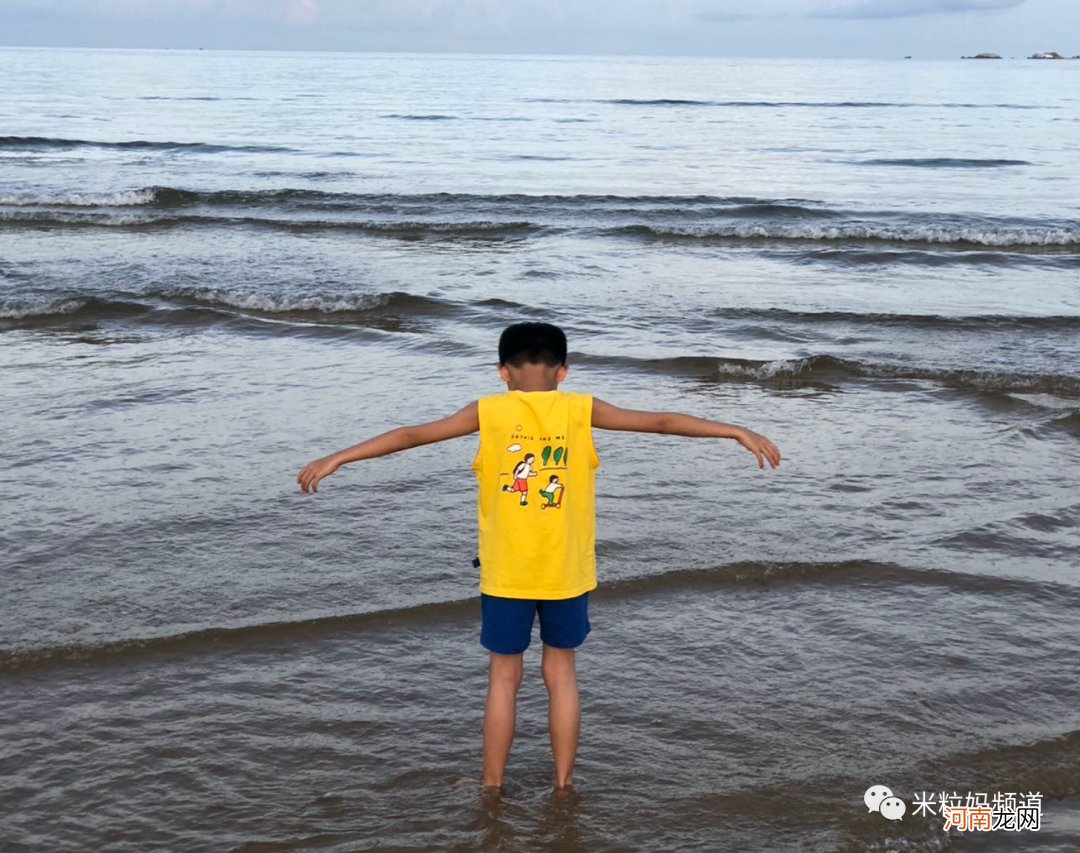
766, 28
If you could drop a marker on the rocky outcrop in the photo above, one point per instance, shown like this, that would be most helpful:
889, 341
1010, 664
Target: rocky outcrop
1046, 54
983, 56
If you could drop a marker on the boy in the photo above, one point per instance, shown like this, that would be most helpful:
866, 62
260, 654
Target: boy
533, 562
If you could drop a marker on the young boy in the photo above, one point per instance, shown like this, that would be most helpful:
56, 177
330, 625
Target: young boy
532, 562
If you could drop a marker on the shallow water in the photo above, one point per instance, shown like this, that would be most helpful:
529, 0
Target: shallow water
217, 266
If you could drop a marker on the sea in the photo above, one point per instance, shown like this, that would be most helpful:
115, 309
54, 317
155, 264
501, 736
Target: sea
217, 266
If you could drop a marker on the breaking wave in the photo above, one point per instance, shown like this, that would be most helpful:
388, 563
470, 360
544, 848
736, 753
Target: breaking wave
825, 368
738, 574
440, 215
132, 304
919, 321
125, 198
1002, 237
45, 143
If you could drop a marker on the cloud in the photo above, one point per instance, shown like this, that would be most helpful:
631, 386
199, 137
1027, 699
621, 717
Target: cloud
912, 8
301, 11
733, 11
724, 17
721, 14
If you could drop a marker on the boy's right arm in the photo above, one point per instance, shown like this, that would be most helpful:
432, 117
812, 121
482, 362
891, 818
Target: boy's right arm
607, 416
464, 422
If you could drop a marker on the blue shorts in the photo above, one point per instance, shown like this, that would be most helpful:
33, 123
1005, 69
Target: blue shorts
507, 622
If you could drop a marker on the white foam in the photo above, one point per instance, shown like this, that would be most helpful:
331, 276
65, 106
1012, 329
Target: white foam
124, 198
899, 234
765, 371
14, 310
279, 303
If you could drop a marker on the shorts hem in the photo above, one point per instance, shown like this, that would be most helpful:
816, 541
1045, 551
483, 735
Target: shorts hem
501, 652
576, 645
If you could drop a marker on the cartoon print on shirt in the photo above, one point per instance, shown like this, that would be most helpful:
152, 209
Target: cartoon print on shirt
552, 458
553, 492
558, 456
522, 472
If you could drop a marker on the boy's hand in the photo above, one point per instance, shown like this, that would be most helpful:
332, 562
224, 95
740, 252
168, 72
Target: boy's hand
315, 471
760, 446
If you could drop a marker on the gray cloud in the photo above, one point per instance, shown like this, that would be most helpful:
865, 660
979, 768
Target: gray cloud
872, 9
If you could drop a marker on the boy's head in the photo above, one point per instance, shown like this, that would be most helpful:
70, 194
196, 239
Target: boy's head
532, 343
532, 354
554, 478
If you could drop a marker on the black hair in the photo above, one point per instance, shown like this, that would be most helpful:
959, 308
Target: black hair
532, 343
554, 478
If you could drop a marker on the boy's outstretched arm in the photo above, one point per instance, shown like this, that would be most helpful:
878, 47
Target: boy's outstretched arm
606, 416
460, 423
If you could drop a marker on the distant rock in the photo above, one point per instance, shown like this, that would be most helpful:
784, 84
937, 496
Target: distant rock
1046, 54
983, 56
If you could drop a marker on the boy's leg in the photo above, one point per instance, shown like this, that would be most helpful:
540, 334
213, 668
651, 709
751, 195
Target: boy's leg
504, 632
564, 711
504, 678
564, 624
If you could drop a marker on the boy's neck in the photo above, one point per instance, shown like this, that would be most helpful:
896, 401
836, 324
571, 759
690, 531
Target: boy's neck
532, 386
532, 377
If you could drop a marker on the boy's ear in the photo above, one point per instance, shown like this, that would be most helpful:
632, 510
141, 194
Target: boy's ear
560, 374
503, 372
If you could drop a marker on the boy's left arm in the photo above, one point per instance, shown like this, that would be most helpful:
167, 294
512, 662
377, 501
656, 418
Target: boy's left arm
607, 416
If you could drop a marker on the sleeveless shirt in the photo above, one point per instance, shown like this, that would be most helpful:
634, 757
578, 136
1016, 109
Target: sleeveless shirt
535, 469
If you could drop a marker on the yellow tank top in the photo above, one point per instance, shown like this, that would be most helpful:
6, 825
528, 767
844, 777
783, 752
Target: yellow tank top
535, 470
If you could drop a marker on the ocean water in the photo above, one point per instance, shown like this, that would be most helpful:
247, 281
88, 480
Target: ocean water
217, 266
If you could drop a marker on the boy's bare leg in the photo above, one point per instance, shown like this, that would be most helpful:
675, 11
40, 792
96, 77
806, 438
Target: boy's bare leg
564, 711
504, 678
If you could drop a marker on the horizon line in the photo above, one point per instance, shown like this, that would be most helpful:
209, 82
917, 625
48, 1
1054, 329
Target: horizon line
420, 52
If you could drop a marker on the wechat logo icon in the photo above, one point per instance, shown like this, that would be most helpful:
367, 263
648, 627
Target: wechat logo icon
880, 799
